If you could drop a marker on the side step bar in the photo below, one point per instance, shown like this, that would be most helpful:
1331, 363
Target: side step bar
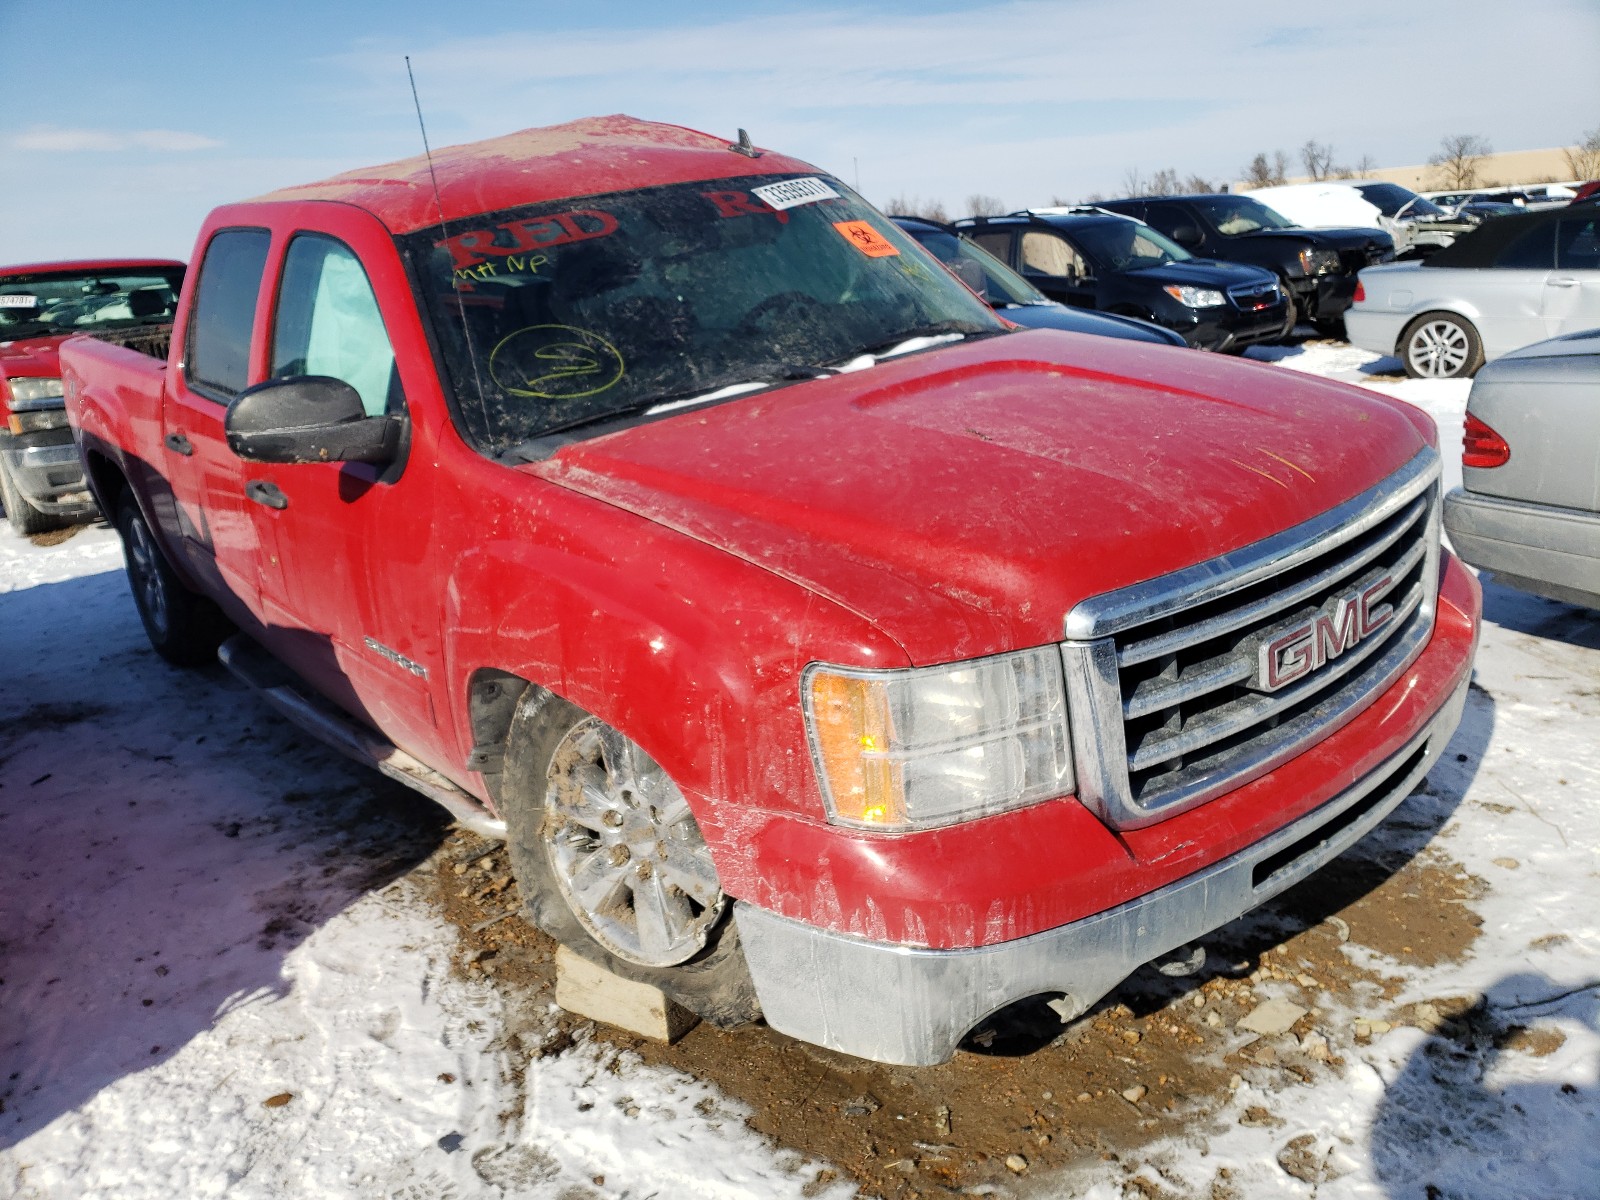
257, 670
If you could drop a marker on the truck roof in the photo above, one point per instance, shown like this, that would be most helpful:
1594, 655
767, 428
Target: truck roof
88, 264
579, 158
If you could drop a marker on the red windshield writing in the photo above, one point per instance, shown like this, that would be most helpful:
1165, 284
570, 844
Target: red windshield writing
743, 204
517, 237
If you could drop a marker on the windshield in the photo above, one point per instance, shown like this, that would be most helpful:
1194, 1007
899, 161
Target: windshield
1233, 215
82, 301
1126, 245
1000, 284
569, 313
1391, 199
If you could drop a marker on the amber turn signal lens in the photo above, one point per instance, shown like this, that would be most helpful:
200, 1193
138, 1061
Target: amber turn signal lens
850, 718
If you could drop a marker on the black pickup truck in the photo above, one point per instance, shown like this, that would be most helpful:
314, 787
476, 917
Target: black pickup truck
1317, 267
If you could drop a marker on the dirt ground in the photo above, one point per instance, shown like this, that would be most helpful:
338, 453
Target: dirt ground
1158, 1058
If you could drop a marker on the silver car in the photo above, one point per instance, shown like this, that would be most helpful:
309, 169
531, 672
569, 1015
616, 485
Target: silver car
1529, 509
1512, 281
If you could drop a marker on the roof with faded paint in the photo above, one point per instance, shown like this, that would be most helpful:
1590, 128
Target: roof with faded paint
587, 157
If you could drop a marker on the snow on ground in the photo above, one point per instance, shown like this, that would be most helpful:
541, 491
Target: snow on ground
220, 973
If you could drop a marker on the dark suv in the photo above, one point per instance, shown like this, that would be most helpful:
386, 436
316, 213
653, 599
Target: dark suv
1091, 258
1317, 267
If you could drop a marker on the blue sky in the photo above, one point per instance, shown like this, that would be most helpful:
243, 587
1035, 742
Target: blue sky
125, 122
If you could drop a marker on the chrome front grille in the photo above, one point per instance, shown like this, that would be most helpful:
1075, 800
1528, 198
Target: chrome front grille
1170, 701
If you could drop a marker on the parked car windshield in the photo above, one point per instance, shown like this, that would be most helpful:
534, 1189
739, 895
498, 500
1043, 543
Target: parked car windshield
558, 315
1126, 245
1000, 284
1393, 200
82, 301
1233, 215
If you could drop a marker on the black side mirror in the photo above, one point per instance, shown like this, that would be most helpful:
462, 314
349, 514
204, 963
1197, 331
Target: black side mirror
307, 419
1187, 236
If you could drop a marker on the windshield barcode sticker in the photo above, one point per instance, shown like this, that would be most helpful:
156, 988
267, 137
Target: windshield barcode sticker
792, 193
19, 301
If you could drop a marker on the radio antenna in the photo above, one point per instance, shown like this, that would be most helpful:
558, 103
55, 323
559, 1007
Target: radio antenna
438, 204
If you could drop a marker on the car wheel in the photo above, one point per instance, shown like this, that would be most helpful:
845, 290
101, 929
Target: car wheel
611, 863
1441, 345
24, 517
184, 628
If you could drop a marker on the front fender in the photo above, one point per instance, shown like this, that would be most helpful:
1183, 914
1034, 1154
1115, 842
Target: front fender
693, 653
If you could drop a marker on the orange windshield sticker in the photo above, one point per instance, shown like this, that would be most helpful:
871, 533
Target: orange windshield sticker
866, 239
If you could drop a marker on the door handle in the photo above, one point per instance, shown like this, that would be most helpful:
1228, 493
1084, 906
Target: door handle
1566, 281
177, 442
266, 493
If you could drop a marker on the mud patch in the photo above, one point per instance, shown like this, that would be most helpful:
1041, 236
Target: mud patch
1161, 1058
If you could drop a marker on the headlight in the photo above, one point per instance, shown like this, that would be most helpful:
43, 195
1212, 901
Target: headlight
34, 393
1194, 297
1319, 262
929, 746
33, 422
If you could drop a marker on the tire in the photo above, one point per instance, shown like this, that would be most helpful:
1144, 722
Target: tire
183, 627
599, 838
24, 517
1291, 313
1441, 345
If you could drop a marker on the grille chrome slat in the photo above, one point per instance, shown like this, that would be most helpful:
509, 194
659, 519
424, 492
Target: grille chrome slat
1166, 679
1188, 635
1196, 736
1220, 670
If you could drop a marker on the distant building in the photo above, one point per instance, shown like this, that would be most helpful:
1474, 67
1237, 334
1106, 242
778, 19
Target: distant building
1495, 170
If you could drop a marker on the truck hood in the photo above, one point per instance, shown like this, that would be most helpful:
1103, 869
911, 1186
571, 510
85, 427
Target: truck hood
964, 499
32, 356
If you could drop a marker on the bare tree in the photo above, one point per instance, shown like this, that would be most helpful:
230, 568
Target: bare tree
1091, 198
1318, 160
979, 205
1280, 167
1198, 184
1583, 160
1459, 157
914, 206
1164, 182
1364, 168
1133, 182
1260, 173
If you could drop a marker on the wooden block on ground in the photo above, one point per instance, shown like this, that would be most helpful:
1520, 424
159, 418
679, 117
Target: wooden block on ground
594, 992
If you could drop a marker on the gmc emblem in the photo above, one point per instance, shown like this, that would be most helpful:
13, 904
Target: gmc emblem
1319, 640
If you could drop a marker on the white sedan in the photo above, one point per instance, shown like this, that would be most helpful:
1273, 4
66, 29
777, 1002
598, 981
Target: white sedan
1512, 281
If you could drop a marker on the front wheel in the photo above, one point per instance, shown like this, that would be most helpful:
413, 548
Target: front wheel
184, 628
611, 863
1441, 345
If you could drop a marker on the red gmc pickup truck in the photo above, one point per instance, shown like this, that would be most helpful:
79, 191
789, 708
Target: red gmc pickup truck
41, 305
826, 648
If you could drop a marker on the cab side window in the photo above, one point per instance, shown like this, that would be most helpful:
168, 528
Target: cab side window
218, 354
1048, 254
328, 323
1534, 250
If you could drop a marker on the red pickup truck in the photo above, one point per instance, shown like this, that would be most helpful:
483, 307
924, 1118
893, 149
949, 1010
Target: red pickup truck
827, 649
41, 305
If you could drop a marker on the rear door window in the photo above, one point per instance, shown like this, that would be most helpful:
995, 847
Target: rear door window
328, 323
1533, 250
997, 244
218, 356
1578, 244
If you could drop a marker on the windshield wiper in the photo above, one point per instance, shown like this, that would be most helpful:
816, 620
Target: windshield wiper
884, 347
547, 441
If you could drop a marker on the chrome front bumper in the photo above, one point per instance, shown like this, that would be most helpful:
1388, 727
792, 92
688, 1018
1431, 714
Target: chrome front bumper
898, 1004
50, 477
